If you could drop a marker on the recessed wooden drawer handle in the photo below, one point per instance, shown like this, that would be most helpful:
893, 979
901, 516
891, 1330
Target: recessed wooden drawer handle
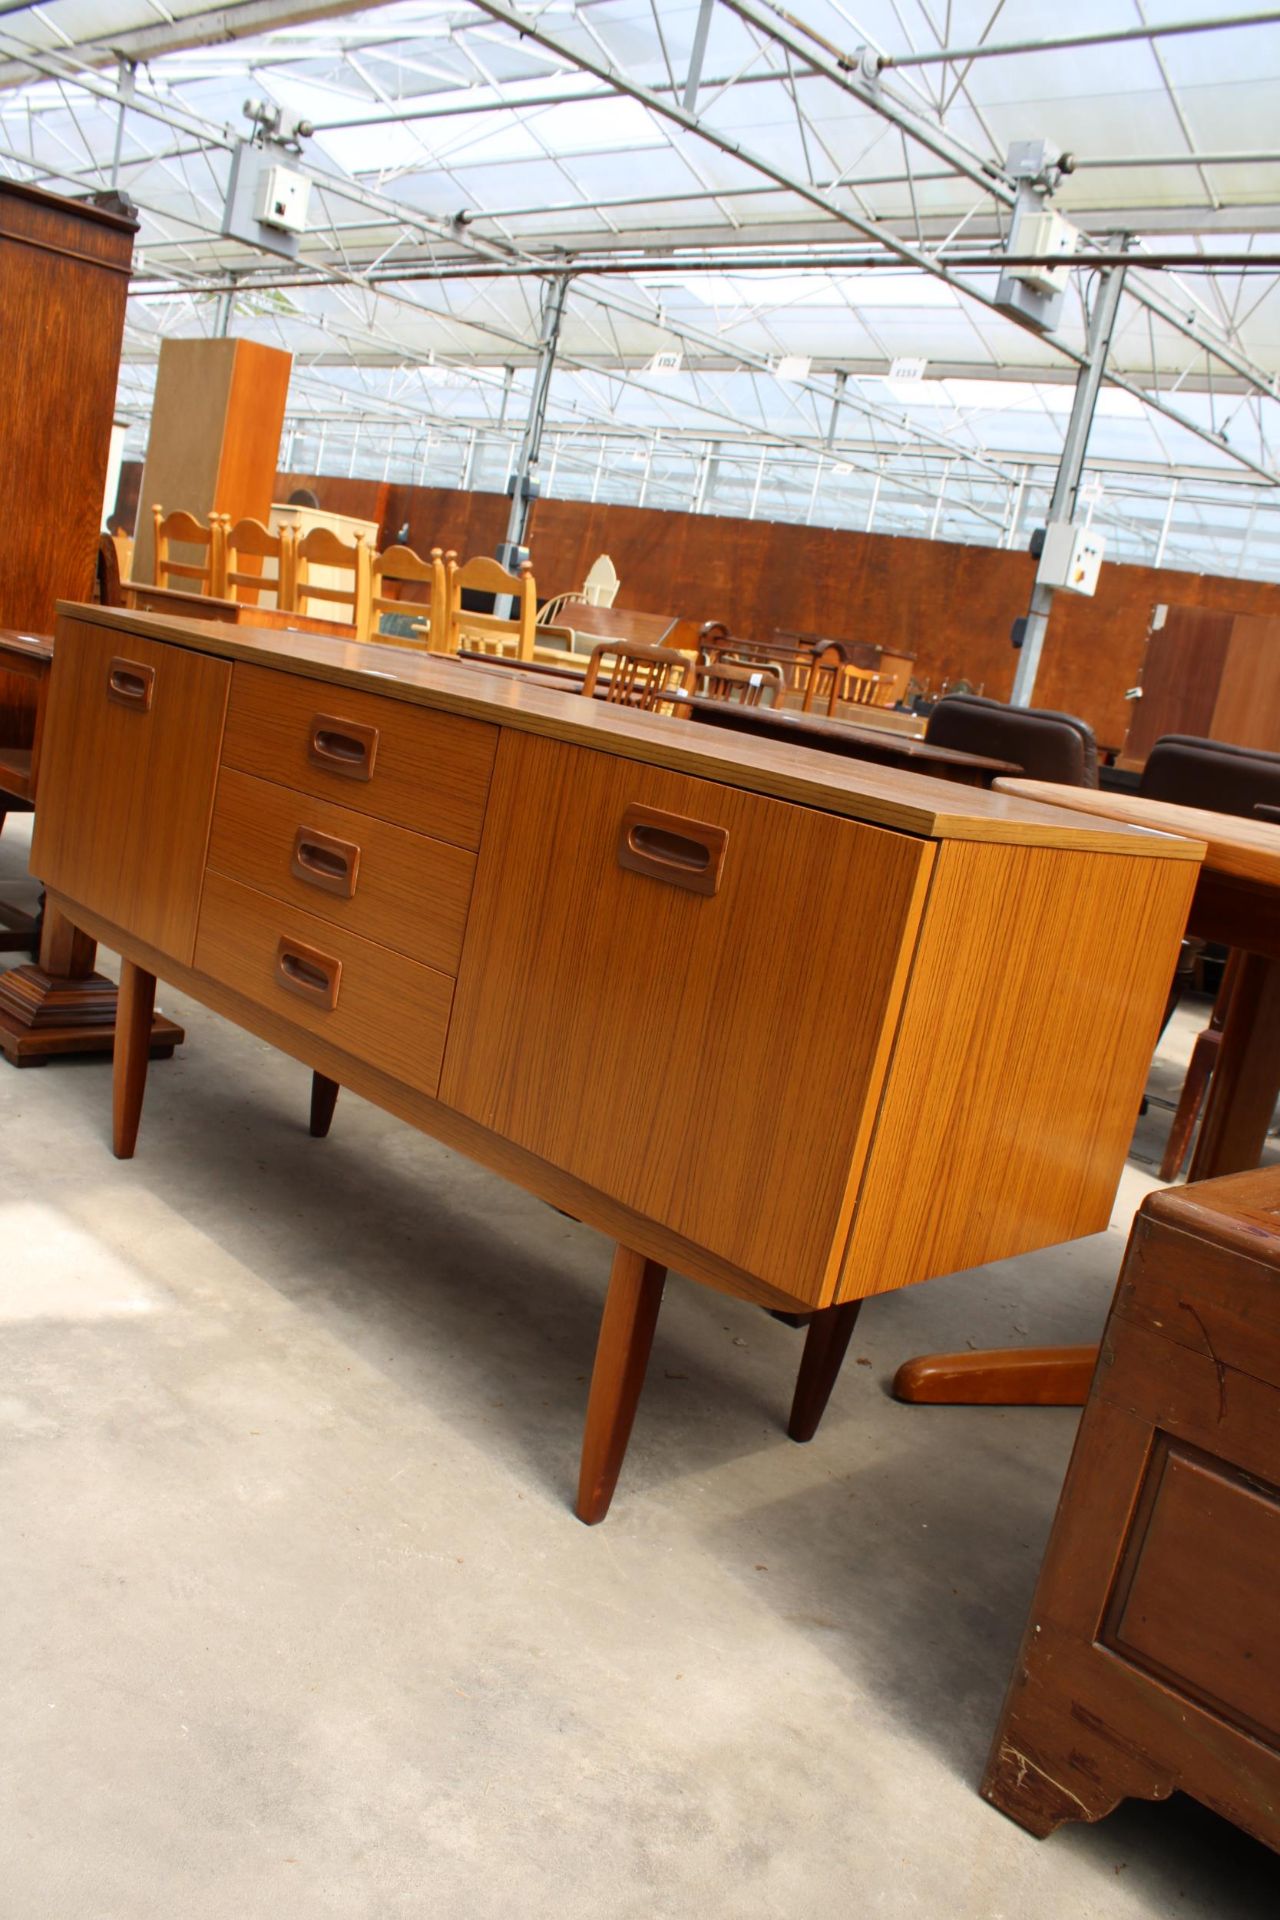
666, 846
342, 746
131, 684
312, 975
322, 861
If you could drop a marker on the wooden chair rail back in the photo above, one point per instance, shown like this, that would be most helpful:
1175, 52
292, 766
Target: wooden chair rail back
322, 548
652, 678
250, 539
209, 573
483, 575
402, 566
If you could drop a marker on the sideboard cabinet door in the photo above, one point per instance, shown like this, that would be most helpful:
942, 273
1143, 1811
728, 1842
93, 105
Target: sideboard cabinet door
127, 774
684, 994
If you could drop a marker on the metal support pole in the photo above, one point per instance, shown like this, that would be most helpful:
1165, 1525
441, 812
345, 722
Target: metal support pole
527, 461
697, 54
837, 397
1062, 506
1165, 525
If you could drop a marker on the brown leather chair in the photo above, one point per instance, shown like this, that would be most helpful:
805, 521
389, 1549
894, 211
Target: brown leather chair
1213, 774
1045, 744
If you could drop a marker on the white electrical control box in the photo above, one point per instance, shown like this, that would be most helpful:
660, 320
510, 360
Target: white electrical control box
1071, 558
283, 197
1043, 232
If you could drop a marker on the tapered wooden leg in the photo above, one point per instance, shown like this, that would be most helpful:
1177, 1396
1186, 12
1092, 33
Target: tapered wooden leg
132, 1048
622, 1354
324, 1097
998, 1377
824, 1350
1246, 1079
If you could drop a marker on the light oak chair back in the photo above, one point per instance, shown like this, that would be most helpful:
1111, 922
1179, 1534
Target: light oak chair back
653, 678
249, 539
489, 632
429, 614
322, 548
206, 574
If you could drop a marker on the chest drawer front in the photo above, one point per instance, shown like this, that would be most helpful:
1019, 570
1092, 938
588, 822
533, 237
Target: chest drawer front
388, 1011
401, 889
684, 995
129, 762
402, 763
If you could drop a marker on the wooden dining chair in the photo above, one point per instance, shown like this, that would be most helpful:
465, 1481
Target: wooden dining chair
207, 572
741, 683
249, 540
652, 678
832, 678
409, 620
490, 632
350, 561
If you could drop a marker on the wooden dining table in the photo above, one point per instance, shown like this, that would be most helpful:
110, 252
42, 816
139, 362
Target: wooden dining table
831, 734
1236, 903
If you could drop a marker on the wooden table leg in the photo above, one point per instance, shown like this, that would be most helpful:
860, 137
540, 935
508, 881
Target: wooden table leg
1246, 1078
622, 1355
825, 1345
62, 1005
998, 1377
132, 1050
324, 1098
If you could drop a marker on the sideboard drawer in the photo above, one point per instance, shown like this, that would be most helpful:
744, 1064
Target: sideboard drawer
130, 758
402, 889
389, 1011
414, 767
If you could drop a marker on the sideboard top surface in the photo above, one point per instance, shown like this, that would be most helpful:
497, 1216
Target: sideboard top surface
882, 796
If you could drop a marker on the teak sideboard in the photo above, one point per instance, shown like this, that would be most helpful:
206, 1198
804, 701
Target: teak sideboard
803, 1029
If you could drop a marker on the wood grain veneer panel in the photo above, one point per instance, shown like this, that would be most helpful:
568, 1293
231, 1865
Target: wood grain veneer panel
1033, 1010
64, 278
388, 1010
674, 1049
410, 892
1247, 710
1181, 671
430, 773
552, 1184
126, 793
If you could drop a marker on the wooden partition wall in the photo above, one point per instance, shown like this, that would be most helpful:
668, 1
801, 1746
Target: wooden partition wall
951, 606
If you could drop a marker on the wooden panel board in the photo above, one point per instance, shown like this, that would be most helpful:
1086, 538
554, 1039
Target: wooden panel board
1181, 670
1247, 710
64, 271
674, 1048
1033, 1011
126, 792
409, 892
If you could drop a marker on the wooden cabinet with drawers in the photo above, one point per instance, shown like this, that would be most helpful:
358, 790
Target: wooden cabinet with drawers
805, 1029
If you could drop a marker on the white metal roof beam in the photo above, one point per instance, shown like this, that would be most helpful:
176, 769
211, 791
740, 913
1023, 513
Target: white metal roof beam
206, 29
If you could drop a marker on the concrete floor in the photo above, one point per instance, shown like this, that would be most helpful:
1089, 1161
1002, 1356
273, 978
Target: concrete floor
298, 1621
